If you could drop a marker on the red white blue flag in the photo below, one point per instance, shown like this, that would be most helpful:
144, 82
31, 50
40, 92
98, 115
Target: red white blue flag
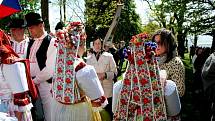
8, 7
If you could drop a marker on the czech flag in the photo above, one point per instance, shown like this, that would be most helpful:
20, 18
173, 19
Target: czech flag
8, 7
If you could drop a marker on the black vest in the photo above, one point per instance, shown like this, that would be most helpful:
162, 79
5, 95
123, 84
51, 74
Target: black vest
41, 54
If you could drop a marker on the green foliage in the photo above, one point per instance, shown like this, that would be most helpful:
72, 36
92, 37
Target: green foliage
185, 17
201, 16
98, 15
129, 23
151, 27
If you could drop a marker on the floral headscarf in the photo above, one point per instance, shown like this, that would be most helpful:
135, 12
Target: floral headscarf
65, 88
141, 96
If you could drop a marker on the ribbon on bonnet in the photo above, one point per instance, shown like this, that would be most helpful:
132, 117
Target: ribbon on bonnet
65, 88
141, 96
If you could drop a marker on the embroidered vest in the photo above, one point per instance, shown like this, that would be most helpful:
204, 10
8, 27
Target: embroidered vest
41, 53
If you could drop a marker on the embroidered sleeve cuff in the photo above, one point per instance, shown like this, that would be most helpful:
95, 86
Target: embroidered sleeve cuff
100, 102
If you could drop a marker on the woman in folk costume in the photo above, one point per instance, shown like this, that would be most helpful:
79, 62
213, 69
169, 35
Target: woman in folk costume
141, 94
76, 87
16, 73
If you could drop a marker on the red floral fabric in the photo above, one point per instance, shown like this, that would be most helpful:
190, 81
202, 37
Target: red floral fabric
141, 97
65, 87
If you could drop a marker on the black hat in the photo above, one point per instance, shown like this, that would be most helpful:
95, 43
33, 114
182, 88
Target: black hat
33, 19
16, 23
59, 25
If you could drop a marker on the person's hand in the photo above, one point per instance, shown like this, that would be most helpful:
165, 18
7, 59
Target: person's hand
101, 76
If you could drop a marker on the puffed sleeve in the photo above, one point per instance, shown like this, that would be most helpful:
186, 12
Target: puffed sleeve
89, 82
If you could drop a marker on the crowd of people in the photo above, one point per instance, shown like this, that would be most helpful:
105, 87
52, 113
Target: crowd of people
202, 101
47, 77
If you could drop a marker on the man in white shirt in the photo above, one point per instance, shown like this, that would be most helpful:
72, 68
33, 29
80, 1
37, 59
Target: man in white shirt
19, 41
42, 55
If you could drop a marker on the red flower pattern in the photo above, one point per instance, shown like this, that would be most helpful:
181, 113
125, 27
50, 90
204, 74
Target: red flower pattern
156, 100
68, 80
127, 82
59, 87
140, 62
69, 62
60, 52
143, 81
67, 99
123, 102
152, 74
135, 80
147, 119
59, 70
146, 100
136, 98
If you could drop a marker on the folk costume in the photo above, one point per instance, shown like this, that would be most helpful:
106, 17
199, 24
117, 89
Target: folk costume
19, 47
76, 88
141, 94
42, 55
20, 83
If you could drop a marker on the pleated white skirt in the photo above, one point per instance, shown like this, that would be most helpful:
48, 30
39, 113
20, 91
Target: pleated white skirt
77, 112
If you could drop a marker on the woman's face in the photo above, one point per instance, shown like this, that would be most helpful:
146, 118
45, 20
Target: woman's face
161, 49
97, 45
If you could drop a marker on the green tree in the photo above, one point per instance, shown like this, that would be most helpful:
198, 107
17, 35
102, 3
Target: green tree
171, 14
98, 17
184, 17
151, 27
100, 13
45, 13
202, 19
129, 22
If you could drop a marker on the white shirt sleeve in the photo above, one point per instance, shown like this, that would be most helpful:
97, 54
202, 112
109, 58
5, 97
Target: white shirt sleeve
48, 71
